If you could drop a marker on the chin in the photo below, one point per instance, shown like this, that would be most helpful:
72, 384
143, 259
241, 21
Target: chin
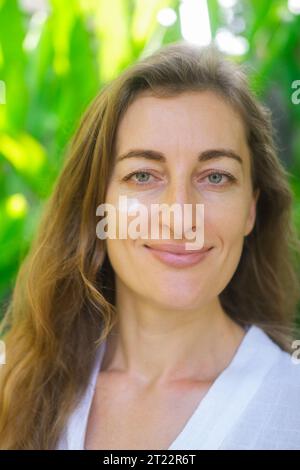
179, 298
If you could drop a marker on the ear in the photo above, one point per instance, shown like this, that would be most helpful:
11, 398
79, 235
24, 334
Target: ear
252, 213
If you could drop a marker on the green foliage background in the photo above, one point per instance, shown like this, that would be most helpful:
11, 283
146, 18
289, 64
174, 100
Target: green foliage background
54, 64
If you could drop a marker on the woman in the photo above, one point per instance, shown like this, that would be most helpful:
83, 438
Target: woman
135, 343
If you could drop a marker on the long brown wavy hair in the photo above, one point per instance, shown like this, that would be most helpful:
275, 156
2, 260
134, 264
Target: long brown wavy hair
63, 303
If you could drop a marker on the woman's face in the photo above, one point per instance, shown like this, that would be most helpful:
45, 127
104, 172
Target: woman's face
205, 160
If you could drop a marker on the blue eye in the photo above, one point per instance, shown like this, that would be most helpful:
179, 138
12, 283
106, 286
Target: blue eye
142, 176
217, 177
138, 177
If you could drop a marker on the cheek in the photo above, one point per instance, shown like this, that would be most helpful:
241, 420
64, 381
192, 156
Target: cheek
123, 258
227, 219
225, 225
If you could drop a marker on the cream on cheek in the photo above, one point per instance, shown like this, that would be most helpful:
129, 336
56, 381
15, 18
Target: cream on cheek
131, 213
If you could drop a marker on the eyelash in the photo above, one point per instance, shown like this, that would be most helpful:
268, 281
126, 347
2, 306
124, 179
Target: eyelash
230, 177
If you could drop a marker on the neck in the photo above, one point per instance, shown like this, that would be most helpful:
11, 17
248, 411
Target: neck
153, 344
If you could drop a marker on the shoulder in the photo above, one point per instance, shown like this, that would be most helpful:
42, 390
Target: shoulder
276, 404
285, 370
72, 436
271, 419
280, 371
283, 377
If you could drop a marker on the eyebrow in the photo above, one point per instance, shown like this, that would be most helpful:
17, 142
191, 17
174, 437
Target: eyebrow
204, 156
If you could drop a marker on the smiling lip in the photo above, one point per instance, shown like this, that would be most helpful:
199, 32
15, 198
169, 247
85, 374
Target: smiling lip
176, 255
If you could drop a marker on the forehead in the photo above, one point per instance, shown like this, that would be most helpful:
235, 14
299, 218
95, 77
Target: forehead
198, 120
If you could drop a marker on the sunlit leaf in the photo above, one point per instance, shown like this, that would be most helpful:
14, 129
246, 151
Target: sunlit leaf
24, 153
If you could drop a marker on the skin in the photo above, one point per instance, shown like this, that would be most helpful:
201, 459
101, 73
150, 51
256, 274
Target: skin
171, 327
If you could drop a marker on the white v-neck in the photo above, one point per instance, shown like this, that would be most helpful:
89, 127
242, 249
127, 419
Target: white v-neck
217, 412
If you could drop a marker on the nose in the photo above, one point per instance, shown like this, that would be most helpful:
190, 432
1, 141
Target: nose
181, 198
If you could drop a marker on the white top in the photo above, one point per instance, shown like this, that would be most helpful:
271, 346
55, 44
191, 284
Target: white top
253, 404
